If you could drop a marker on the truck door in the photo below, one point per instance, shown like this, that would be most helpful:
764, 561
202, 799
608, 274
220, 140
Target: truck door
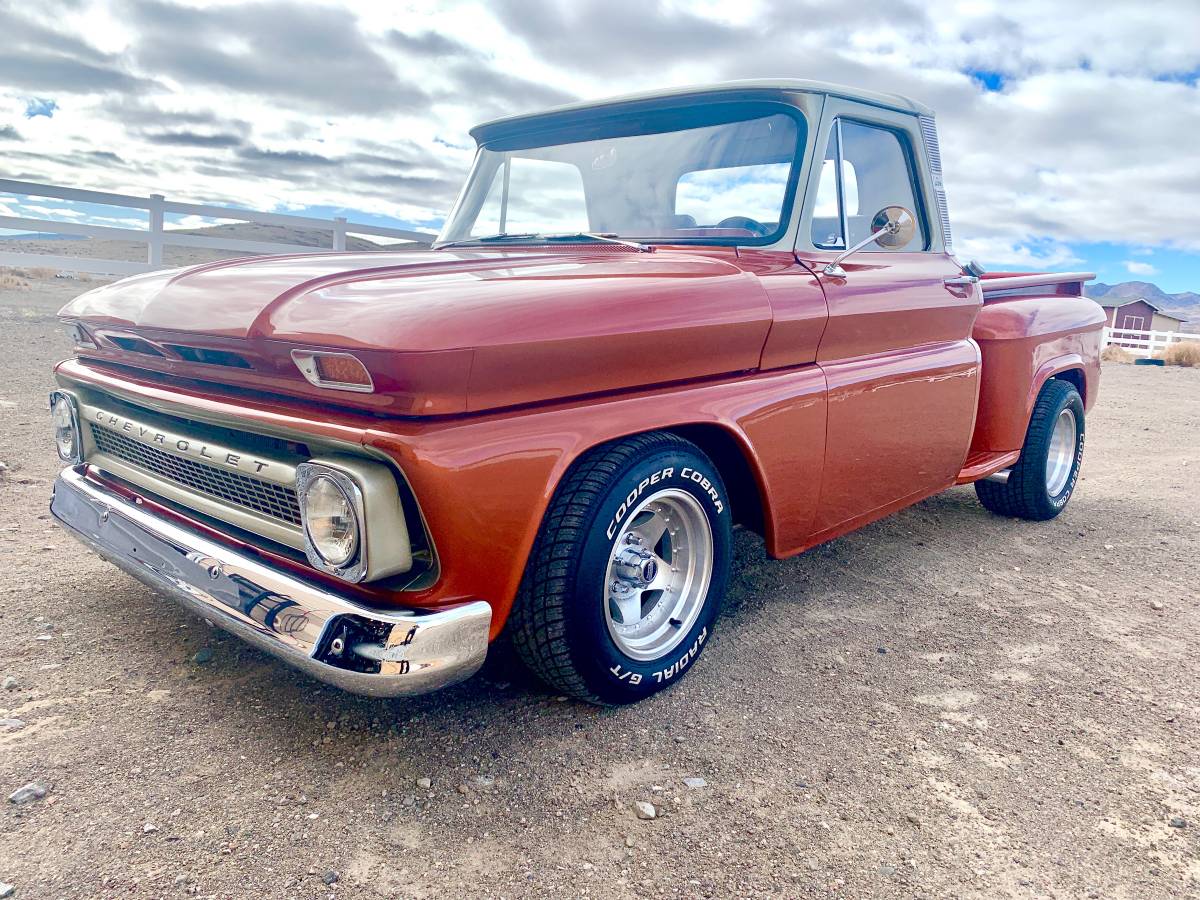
902, 370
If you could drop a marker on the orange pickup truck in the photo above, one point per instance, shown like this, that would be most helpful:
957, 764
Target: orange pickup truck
646, 321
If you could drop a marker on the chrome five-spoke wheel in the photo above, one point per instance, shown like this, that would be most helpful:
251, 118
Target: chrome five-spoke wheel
658, 574
624, 585
1043, 478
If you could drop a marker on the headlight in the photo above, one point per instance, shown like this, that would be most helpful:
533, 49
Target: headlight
66, 428
79, 335
330, 512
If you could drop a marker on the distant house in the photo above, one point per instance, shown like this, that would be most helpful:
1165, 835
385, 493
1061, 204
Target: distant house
1139, 315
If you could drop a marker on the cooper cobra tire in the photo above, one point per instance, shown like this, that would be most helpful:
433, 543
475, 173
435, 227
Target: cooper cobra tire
627, 575
1043, 478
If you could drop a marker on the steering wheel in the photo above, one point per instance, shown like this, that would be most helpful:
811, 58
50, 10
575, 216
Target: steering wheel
755, 227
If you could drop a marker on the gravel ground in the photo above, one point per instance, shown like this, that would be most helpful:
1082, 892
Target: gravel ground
943, 704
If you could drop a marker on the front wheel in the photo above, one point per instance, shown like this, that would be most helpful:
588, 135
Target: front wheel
1043, 478
626, 579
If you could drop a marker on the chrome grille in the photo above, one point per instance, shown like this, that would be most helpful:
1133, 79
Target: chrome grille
272, 500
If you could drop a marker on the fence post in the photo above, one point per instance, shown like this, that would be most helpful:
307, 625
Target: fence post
154, 244
339, 232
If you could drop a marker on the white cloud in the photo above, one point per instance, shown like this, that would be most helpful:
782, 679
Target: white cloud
278, 104
1139, 268
1028, 255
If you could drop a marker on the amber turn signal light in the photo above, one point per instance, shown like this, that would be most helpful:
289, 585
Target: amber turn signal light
338, 371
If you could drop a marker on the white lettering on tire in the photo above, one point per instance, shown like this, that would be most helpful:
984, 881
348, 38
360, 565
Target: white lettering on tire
687, 473
699, 478
680, 664
632, 677
676, 668
631, 501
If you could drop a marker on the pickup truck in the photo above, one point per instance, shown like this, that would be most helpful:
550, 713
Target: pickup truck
646, 321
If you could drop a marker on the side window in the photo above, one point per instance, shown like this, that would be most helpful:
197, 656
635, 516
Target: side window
876, 172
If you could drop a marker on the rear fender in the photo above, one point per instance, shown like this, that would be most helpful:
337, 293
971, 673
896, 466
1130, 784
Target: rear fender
1026, 341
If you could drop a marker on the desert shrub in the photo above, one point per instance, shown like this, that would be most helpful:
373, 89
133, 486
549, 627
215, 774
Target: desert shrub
38, 272
10, 281
1181, 353
1113, 353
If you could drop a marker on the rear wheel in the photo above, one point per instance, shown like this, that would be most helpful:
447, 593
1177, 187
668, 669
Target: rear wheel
1041, 482
627, 576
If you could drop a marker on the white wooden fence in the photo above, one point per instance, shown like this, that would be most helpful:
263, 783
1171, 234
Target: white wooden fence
155, 236
1145, 343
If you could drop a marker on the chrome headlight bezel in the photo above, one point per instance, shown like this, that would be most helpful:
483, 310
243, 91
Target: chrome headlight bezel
75, 457
354, 569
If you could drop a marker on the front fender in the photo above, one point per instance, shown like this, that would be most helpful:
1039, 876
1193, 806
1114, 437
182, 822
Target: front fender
484, 482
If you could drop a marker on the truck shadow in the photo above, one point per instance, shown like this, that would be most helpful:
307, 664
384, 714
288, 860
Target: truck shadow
491, 715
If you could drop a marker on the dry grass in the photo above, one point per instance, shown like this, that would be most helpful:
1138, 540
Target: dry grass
39, 273
10, 281
1113, 353
1181, 353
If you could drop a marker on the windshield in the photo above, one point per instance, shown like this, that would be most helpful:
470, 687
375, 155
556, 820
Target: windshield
721, 174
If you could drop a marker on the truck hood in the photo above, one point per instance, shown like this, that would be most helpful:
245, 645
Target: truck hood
443, 331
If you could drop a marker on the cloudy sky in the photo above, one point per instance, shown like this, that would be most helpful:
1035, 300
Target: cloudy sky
1070, 130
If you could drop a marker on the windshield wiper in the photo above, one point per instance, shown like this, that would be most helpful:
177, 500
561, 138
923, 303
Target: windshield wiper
547, 238
600, 238
490, 238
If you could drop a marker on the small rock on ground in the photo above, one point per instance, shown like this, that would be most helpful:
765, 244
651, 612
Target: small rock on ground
11, 724
202, 656
6, 889
644, 810
27, 793
11, 683
330, 877
695, 782
424, 783
1178, 822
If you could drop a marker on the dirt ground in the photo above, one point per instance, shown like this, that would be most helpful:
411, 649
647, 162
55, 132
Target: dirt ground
945, 704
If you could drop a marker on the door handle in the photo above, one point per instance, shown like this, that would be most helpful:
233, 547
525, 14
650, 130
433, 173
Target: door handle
961, 281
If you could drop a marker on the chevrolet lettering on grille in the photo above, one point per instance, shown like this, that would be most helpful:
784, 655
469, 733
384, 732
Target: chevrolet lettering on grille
209, 453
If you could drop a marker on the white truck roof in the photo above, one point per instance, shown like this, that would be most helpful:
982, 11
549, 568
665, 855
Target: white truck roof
801, 85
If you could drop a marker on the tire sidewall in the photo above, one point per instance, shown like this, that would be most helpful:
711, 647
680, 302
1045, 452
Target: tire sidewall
610, 674
1053, 504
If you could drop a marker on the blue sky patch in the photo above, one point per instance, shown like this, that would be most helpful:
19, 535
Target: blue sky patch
40, 106
990, 81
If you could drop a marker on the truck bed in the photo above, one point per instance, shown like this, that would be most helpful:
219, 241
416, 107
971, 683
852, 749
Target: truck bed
1033, 326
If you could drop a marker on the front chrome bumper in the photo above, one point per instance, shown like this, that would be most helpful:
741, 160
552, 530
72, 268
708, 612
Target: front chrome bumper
410, 651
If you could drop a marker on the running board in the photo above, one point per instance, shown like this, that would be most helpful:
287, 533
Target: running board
985, 464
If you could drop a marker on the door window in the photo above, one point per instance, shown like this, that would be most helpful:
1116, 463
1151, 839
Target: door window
876, 171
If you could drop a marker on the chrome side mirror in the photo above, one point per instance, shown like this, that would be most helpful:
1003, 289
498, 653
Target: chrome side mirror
892, 226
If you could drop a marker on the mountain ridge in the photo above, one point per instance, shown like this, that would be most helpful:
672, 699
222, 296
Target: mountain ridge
1184, 303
